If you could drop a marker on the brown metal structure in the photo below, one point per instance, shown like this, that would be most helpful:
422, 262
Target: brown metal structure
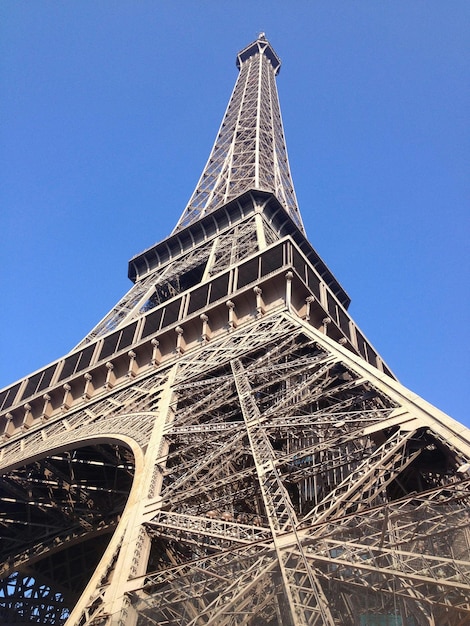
226, 447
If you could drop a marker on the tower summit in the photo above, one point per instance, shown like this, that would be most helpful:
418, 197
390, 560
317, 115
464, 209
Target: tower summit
250, 150
226, 447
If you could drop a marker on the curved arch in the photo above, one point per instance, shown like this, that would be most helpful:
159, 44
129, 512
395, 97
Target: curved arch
129, 428
64, 508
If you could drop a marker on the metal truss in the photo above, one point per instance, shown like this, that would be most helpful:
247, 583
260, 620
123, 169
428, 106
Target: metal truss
250, 150
271, 452
61, 497
39, 600
180, 274
305, 596
286, 487
241, 457
236, 244
152, 290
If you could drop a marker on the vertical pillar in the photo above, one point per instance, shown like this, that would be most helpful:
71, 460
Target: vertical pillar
260, 229
308, 303
88, 388
289, 277
205, 335
132, 369
110, 376
9, 426
232, 318
325, 321
67, 401
259, 301
27, 417
134, 552
179, 340
46, 408
156, 354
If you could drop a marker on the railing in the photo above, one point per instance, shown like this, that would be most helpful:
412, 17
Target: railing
228, 299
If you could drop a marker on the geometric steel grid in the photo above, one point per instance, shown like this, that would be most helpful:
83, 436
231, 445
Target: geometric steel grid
306, 494
250, 150
227, 448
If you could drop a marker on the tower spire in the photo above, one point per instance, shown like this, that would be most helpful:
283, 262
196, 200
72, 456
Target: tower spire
226, 446
249, 151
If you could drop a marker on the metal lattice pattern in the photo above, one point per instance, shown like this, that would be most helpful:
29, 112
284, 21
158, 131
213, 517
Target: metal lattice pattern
237, 244
150, 291
284, 472
283, 491
61, 506
250, 150
239, 462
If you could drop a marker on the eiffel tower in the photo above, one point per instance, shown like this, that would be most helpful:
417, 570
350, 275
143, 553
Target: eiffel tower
226, 447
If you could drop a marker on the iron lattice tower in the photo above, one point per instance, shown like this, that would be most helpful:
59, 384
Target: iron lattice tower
226, 447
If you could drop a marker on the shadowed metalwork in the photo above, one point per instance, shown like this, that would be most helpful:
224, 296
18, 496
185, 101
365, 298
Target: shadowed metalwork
226, 447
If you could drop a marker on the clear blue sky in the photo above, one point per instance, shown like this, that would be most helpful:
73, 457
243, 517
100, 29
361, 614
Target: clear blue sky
108, 111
